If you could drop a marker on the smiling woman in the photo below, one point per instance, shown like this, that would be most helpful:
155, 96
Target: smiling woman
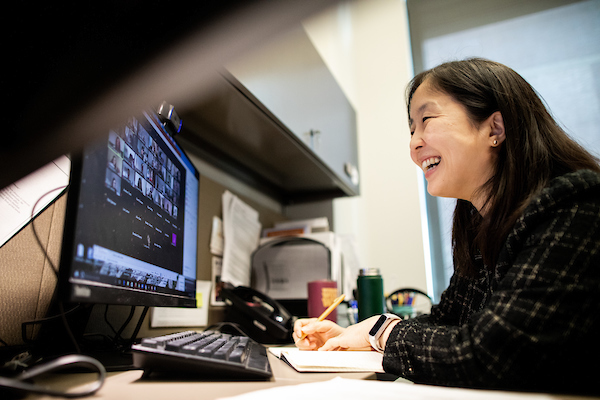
524, 300
504, 143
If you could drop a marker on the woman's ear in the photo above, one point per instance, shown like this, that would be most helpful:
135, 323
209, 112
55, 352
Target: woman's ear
497, 133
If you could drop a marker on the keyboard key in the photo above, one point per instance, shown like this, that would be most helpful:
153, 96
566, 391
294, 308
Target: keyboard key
210, 349
177, 344
240, 352
160, 341
225, 350
258, 357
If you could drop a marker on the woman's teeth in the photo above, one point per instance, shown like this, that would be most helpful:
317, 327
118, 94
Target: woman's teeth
430, 163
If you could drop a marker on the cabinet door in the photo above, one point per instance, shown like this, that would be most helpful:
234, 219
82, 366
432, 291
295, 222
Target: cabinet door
290, 79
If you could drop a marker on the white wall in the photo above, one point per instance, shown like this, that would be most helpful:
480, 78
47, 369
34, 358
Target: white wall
366, 45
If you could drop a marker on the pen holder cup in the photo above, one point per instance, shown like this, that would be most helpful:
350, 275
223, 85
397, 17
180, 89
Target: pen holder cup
408, 303
404, 312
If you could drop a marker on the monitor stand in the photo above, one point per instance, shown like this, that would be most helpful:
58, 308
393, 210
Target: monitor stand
113, 359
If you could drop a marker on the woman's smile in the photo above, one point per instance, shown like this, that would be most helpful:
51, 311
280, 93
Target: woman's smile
430, 164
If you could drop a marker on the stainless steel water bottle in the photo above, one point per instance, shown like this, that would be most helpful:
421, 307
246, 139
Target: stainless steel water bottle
370, 293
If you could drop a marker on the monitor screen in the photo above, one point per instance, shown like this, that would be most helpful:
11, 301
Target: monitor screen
131, 228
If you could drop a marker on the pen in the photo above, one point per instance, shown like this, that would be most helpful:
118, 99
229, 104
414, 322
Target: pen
332, 307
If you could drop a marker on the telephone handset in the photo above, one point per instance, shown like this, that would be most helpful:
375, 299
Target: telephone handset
263, 319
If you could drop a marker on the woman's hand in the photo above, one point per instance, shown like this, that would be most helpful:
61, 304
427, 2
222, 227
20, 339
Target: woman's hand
317, 333
355, 337
326, 335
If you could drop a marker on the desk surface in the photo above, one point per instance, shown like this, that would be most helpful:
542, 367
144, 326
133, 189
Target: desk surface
128, 385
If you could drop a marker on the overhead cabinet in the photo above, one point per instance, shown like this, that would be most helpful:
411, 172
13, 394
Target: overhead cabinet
280, 120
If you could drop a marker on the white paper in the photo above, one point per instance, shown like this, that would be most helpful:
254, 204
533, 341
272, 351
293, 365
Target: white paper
184, 317
320, 224
216, 236
342, 388
278, 350
351, 265
241, 233
17, 201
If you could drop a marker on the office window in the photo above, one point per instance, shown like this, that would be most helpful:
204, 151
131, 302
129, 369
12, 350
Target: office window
553, 44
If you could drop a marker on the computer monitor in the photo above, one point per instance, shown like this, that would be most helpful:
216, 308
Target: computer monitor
130, 234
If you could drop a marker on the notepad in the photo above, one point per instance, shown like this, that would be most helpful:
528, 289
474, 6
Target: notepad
334, 361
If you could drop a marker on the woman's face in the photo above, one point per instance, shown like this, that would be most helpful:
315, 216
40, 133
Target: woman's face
456, 156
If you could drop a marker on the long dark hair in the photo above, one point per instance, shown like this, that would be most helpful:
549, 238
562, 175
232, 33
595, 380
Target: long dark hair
535, 150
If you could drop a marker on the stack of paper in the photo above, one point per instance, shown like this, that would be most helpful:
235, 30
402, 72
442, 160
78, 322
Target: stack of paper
241, 233
298, 227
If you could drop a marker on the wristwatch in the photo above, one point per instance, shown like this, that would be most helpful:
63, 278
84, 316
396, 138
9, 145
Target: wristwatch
378, 329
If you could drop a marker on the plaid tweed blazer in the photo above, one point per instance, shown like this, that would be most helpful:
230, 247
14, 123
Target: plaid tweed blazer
531, 324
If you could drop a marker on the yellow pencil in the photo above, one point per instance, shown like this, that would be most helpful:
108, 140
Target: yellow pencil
332, 307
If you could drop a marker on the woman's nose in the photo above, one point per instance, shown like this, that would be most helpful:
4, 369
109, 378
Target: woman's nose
416, 140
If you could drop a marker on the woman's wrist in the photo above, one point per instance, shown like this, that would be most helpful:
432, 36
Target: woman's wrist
386, 334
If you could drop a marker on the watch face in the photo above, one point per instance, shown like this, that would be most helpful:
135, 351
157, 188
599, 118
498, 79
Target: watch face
377, 325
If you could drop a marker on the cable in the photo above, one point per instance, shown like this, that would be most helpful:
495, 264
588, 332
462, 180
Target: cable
107, 321
129, 318
67, 327
53, 267
117, 334
18, 384
39, 321
232, 325
35, 234
139, 324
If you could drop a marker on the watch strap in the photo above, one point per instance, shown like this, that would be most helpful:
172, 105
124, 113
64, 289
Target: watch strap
378, 329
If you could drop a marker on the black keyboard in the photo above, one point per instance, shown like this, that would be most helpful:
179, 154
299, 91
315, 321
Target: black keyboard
203, 354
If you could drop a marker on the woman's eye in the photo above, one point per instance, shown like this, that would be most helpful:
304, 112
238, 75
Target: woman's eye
412, 132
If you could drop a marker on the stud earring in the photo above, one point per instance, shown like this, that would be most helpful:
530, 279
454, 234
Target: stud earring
495, 143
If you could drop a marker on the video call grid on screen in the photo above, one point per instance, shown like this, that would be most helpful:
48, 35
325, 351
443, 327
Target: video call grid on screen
130, 226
